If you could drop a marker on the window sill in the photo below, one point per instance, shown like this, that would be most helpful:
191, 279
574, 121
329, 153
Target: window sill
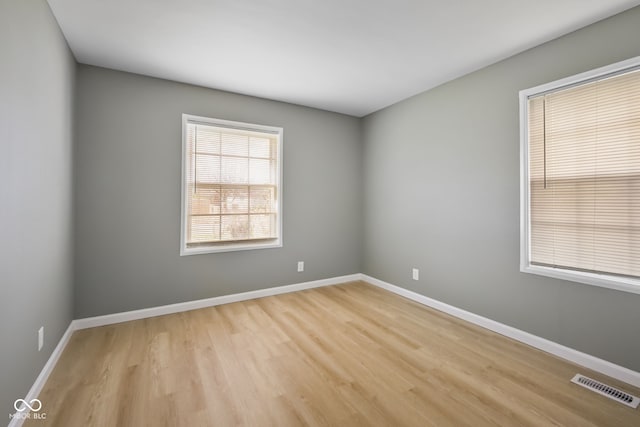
602, 280
230, 247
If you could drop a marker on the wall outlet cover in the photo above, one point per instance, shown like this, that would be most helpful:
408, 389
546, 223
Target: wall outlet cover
40, 338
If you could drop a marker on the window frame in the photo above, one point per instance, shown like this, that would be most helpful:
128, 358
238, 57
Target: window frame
621, 283
230, 245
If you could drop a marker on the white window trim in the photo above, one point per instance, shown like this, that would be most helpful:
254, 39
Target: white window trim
230, 246
603, 280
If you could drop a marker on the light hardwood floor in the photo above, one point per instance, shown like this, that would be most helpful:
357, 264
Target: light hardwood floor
345, 355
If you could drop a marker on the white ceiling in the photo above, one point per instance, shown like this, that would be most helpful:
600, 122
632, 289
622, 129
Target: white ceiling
348, 56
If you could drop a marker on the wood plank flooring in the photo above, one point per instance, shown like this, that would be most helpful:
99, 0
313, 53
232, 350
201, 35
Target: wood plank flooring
346, 355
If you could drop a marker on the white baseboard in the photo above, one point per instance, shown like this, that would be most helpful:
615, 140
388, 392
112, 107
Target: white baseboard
39, 383
591, 362
599, 365
108, 319
91, 322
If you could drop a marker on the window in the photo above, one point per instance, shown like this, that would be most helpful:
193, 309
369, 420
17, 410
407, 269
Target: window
231, 186
580, 149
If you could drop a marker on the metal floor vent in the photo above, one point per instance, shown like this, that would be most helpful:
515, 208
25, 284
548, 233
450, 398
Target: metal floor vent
605, 390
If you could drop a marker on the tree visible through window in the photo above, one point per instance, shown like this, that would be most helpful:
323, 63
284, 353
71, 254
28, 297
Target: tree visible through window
231, 189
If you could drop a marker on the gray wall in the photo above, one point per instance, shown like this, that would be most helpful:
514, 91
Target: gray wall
128, 195
36, 131
442, 194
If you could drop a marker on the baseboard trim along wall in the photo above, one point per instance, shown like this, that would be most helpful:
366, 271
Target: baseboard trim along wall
39, 383
109, 319
91, 322
591, 362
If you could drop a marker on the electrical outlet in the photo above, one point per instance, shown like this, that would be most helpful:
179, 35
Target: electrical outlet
300, 266
415, 274
40, 338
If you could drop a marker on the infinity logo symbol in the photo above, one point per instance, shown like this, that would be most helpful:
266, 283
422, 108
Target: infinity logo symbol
35, 405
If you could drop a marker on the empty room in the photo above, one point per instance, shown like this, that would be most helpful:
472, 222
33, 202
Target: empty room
320, 213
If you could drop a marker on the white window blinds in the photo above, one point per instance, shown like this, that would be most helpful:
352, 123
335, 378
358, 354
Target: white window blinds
584, 176
231, 187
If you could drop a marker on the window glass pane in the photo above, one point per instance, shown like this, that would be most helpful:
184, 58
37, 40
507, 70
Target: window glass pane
205, 200
235, 227
261, 171
235, 200
207, 169
235, 170
260, 147
263, 226
235, 145
262, 200
204, 229
207, 140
